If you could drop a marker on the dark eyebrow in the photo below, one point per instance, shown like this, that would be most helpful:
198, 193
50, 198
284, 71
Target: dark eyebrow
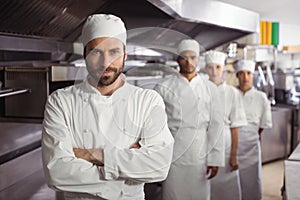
117, 48
95, 48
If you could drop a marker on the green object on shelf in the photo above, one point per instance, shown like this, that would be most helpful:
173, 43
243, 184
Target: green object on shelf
275, 33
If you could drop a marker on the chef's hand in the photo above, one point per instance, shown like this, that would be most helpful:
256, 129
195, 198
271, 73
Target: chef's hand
234, 163
135, 146
211, 171
94, 155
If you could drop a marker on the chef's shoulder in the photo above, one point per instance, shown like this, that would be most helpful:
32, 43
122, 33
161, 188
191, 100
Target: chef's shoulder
232, 90
167, 83
66, 94
146, 96
261, 96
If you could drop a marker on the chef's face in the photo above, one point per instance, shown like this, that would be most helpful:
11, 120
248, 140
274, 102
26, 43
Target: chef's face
245, 78
214, 71
105, 60
187, 61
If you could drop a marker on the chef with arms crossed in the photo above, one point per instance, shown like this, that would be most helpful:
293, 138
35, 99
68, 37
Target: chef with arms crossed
104, 138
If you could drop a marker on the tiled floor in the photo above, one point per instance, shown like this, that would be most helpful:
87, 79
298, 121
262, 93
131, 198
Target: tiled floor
272, 180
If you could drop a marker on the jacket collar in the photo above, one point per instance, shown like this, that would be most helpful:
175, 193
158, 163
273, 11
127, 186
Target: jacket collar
121, 92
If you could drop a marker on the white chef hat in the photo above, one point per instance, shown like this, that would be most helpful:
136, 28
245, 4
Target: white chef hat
103, 25
215, 57
188, 44
245, 65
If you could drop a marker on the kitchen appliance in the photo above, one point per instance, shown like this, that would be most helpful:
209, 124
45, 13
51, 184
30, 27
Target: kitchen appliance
284, 83
30, 104
41, 82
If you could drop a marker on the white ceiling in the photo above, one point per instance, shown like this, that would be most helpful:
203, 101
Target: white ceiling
283, 11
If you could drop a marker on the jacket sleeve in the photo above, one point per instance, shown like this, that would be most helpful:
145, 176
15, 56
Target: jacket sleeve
237, 114
151, 162
215, 138
266, 115
63, 171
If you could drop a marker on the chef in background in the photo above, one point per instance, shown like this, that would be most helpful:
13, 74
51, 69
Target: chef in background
195, 119
258, 111
226, 185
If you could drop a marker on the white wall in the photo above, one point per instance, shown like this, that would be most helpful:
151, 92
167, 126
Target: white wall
289, 34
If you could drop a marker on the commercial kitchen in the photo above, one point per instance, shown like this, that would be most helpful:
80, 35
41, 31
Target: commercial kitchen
41, 51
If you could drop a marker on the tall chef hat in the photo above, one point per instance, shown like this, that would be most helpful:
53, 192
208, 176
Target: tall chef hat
245, 65
103, 25
215, 57
188, 44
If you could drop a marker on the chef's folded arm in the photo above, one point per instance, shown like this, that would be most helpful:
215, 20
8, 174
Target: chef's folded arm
63, 171
149, 163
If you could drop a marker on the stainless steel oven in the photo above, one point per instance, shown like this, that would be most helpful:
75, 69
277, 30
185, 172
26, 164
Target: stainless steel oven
29, 104
41, 81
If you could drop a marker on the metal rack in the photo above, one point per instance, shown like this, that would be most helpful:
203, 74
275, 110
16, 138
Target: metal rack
10, 92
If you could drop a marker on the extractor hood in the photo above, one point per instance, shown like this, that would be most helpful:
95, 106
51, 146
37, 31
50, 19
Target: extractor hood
50, 30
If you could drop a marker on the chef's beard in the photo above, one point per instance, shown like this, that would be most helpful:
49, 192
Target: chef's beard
103, 80
108, 80
186, 71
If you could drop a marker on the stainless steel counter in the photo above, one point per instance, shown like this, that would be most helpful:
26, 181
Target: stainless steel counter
18, 138
275, 142
292, 173
20, 156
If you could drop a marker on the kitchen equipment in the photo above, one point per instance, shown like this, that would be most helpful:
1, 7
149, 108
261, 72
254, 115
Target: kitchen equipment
41, 81
271, 88
30, 104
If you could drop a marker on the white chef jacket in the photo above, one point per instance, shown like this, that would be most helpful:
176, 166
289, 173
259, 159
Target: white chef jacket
79, 116
195, 118
257, 108
226, 185
258, 112
235, 115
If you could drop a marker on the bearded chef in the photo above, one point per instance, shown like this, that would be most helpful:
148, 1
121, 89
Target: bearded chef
195, 118
105, 138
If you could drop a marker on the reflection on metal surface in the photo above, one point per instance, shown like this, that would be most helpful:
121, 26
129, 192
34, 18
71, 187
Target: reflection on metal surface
212, 12
149, 75
34, 78
11, 92
151, 69
276, 141
67, 73
271, 89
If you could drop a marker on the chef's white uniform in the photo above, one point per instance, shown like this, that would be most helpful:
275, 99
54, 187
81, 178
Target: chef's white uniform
258, 111
226, 185
195, 118
79, 116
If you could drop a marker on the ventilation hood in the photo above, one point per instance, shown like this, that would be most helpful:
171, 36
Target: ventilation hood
50, 30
